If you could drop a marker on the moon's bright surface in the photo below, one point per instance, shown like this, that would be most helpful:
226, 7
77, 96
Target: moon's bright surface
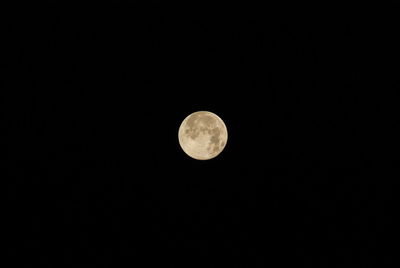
203, 135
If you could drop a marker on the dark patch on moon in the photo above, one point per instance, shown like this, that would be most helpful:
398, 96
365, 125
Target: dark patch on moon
191, 122
214, 132
215, 140
216, 149
207, 120
192, 133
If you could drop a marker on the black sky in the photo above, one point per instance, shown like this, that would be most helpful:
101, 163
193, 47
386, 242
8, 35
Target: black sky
92, 106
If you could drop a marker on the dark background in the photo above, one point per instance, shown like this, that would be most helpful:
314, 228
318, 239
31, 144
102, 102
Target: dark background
91, 108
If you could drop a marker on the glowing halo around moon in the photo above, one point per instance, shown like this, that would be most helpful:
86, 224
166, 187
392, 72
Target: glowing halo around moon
202, 135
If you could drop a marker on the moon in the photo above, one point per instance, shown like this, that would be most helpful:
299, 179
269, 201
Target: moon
202, 135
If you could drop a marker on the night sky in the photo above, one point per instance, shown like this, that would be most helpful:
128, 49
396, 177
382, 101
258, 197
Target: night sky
91, 108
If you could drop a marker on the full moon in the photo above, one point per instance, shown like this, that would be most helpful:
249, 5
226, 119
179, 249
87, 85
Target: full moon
202, 135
